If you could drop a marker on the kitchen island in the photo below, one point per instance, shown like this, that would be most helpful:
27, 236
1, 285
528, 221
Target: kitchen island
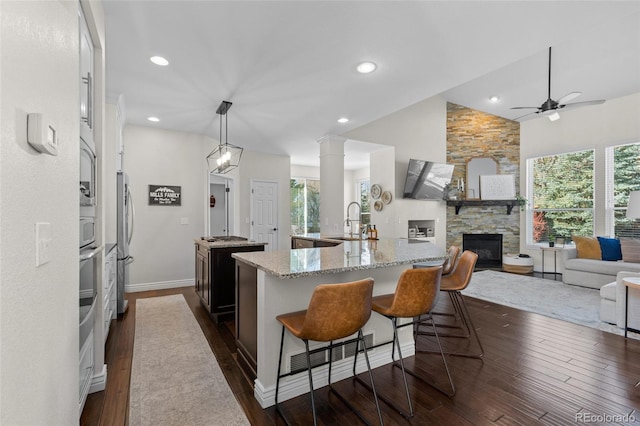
215, 273
276, 282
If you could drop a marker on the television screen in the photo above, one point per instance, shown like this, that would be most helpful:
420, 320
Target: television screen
426, 180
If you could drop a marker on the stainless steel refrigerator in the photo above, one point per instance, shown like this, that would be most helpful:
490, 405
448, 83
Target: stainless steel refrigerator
125, 219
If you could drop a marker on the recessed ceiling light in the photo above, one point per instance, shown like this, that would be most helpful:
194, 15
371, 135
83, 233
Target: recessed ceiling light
159, 60
154, 119
366, 67
494, 99
343, 120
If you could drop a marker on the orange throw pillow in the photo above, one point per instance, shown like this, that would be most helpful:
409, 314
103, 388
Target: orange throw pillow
588, 247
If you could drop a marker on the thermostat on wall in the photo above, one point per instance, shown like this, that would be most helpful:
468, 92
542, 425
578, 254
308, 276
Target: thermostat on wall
41, 134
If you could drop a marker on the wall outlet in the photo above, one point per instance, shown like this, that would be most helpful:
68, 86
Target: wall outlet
184, 221
43, 243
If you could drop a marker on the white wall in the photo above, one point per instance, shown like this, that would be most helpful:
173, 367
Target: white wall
267, 167
163, 248
418, 131
615, 122
39, 72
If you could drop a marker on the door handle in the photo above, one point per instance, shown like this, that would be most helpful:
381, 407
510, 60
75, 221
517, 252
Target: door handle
275, 229
90, 255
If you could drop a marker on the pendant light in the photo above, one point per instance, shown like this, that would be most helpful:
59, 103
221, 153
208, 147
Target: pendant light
225, 157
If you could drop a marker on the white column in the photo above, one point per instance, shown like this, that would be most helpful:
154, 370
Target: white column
331, 185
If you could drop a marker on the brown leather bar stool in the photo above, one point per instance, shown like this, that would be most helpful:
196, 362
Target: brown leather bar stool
335, 311
449, 263
454, 283
447, 268
415, 296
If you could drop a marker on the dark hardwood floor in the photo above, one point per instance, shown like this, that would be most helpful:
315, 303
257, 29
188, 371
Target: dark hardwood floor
536, 370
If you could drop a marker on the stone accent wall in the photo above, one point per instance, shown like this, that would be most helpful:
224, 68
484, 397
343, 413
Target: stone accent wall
472, 133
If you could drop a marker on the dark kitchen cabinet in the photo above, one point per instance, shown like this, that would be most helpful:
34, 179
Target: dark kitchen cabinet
215, 278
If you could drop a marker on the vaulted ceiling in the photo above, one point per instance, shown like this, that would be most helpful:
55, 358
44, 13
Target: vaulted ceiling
289, 66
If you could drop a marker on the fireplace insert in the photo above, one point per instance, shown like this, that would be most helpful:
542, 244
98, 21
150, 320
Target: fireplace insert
487, 246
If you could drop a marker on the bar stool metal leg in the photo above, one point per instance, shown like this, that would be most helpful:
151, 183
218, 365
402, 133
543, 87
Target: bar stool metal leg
371, 388
444, 360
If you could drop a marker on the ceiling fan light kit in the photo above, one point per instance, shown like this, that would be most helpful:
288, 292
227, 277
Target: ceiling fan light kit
554, 116
225, 157
550, 107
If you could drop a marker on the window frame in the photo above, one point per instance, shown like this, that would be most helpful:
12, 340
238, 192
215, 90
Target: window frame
530, 206
305, 229
610, 207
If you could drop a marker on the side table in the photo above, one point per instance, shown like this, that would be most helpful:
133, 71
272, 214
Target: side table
555, 251
633, 282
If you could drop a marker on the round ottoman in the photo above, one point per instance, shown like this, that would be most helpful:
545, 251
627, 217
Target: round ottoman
516, 264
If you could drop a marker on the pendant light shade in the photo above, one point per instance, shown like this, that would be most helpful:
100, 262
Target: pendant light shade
225, 157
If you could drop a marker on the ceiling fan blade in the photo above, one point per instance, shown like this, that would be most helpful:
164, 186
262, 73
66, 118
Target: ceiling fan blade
526, 115
569, 97
525, 107
579, 104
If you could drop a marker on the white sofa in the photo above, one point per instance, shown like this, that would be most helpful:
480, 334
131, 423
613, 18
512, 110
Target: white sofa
612, 302
591, 272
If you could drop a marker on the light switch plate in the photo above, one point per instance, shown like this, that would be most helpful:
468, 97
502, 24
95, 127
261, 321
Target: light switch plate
184, 221
43, 243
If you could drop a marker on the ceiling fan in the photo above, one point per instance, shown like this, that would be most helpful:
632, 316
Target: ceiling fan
551, 107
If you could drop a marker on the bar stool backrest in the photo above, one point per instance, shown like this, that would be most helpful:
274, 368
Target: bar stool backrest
337, 310
461, 276
452, 259
416, 292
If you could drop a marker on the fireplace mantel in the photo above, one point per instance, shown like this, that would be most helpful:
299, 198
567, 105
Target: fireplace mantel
510, 204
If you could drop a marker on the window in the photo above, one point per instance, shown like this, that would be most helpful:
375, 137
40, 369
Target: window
305, 205
364, 189
561, 196
623, 176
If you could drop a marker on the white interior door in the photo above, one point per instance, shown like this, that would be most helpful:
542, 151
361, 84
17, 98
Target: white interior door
264, 213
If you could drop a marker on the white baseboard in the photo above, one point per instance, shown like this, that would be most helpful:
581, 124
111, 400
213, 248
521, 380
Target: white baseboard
99, 380
161, 285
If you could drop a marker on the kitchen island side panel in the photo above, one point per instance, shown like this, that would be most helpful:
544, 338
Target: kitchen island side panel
247, 318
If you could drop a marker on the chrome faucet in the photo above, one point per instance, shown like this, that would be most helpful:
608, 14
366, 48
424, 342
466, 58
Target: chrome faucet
359, 220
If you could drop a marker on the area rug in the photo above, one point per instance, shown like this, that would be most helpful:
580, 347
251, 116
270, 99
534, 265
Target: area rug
578, 305
175, 378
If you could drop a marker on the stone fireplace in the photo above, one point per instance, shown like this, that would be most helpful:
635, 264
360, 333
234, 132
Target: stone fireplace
487, 246
472, 133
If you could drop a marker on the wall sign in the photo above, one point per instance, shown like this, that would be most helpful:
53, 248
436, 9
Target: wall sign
164, 195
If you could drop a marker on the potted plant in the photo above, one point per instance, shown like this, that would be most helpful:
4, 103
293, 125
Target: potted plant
552, 239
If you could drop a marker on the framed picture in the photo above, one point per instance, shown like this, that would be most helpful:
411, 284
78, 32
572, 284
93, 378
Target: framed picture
497, 187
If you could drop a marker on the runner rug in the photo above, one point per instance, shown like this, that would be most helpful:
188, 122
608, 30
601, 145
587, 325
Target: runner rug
175, 377
578, 305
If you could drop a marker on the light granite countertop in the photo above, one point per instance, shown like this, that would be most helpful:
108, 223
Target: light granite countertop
225, 243
348, 256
